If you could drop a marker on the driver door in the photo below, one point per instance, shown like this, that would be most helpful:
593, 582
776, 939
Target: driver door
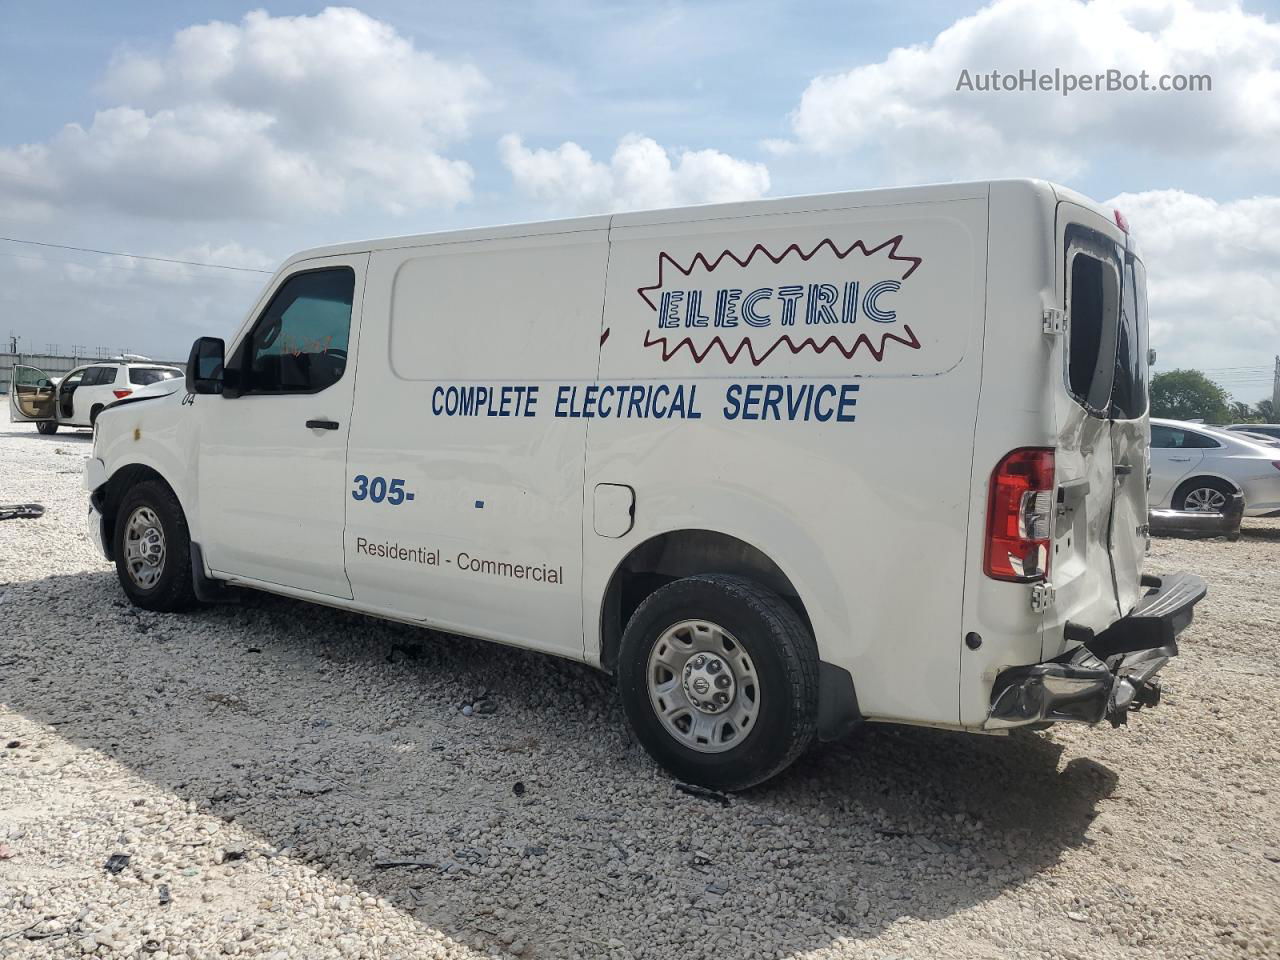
32, 395
273, 446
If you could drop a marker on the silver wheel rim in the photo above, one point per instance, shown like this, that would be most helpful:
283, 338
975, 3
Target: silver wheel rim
144, 547
1205, 500
703, 686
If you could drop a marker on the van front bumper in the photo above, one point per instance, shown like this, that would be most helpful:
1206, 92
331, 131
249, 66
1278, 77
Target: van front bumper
93, 528
1109, 675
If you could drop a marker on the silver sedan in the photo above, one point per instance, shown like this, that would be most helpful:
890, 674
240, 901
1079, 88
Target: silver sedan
1195, 467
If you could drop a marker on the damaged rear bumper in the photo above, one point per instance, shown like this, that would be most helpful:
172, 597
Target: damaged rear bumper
1110, 674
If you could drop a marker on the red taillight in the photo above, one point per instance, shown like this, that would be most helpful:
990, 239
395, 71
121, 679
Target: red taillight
121, 394
1121, 221
1019, 514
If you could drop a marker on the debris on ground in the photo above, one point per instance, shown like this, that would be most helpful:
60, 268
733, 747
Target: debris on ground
116, 862
702, 793
21, 511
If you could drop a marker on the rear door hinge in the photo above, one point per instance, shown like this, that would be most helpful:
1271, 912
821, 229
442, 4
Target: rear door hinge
1053, 321
1042, 597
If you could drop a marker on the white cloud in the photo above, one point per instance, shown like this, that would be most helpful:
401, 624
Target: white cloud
906, 114
1213, 281
641, 173
274, 116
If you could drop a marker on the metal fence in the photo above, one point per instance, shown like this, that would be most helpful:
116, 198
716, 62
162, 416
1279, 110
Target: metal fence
56, 365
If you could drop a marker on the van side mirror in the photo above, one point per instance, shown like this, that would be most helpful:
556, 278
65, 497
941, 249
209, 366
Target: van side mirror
204, 365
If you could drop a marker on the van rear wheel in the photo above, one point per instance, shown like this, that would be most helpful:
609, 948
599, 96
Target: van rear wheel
719, 679
153, 549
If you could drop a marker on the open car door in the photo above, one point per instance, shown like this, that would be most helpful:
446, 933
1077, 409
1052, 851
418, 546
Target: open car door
32, 395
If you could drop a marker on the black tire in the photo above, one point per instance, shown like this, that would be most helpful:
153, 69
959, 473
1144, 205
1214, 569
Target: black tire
1180, 496
93, 414
172, 589
785, 658
47, 427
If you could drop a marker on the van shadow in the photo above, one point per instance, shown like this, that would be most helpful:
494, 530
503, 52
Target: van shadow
338, 739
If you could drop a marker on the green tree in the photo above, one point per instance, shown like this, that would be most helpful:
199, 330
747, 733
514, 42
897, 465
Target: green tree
1265, 411
1241, 412
1188, 395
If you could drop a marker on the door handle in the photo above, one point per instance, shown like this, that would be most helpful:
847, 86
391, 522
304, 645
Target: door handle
1180, 459
322, 424
1123, 469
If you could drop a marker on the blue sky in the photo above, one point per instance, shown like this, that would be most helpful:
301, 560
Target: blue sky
248, 139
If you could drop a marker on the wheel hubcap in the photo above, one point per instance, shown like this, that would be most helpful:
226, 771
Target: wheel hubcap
144, 547
703, 686
1205, 500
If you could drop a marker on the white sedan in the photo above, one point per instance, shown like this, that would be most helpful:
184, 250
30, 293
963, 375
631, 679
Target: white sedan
1194, 467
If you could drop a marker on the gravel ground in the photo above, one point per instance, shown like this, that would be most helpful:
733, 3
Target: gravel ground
290, 781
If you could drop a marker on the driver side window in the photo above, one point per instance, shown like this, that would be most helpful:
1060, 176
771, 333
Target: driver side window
299, 344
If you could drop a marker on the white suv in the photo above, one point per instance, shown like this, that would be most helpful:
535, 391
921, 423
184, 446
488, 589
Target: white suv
78, 398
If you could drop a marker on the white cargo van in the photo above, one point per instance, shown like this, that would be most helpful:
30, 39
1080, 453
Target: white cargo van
780, 466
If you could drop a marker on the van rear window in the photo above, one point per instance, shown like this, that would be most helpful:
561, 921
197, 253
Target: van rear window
1129, 394
1093, 317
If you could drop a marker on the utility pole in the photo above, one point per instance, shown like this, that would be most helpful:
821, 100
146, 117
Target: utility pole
1275, 391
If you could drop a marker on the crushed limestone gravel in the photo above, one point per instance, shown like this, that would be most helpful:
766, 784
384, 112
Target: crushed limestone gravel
292, 781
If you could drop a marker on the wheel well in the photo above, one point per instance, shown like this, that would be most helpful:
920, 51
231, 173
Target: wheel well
1186, 485
683, 553
108, 502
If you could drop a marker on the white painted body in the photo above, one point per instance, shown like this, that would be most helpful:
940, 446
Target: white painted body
875, 516
1245, 464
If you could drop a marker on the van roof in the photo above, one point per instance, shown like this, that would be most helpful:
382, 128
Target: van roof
1049, 192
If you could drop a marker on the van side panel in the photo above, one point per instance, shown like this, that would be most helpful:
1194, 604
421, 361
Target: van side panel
829, 361
464, 347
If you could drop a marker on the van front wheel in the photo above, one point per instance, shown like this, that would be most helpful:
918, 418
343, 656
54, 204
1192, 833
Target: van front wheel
153, 549
719, 679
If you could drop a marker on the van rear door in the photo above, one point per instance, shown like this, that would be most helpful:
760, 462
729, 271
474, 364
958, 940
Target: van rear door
1091, 268
1130, 437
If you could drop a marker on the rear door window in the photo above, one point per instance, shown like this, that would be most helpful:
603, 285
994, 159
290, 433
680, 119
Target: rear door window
1171, 438
99, 376
1199, 441
1093, 318
1165, 437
